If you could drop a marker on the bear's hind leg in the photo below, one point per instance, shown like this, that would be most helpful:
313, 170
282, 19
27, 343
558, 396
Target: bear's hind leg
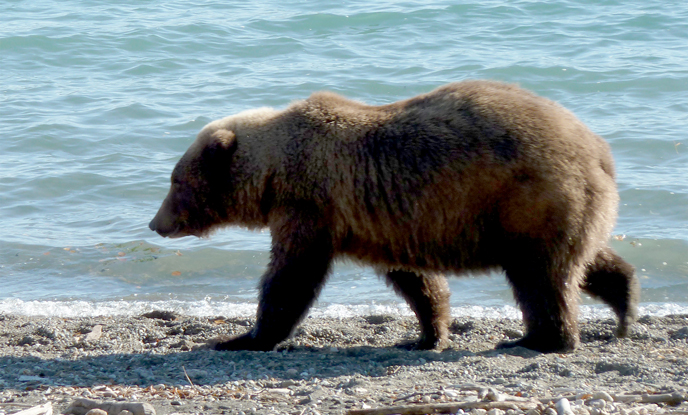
300, 262
613, 280
549, 303
428, 297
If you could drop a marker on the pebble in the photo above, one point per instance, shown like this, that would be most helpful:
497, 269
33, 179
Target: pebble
563, 407
95, 333
83, 406
603, 395
29, 378
451, 393
489, 394
597, 403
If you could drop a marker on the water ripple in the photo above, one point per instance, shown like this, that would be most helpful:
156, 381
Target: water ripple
99, 100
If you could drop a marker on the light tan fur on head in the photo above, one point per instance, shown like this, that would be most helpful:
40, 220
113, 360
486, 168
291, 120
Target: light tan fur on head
252, 118
225, 137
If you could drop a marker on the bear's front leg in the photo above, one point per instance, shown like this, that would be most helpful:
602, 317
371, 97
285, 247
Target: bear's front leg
301, 257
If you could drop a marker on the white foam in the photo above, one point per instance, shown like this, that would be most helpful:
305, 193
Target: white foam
123, 308
210, 308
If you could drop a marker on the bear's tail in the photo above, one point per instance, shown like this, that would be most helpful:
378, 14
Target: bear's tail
613, 280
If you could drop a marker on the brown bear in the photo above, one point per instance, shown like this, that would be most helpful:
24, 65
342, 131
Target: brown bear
472, 176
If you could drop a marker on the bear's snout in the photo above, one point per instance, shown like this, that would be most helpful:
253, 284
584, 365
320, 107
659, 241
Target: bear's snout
163, 224
151, 225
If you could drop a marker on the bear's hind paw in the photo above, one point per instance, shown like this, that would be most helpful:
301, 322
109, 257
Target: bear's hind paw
541, 346
245, 342
421, 344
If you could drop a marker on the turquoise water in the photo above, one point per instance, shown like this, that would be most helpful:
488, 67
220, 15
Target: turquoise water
98, 101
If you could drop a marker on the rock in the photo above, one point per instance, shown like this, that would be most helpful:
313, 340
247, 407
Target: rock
184, 344
161, 315
563, 407
513, 333
96, 411
46, 332
489, 395
30, 378
26, 341
95, 333
83, 406
451, 393
597, 403
359, 391
378, 319
45, 409
286, 383
603, 395
282, 391
681, 333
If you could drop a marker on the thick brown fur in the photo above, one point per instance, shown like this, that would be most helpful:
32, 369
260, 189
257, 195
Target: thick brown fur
472, 176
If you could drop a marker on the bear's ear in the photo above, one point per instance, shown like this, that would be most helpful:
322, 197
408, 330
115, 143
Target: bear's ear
226, 139
219, 147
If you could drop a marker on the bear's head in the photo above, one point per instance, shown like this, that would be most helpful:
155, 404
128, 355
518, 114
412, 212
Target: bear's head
201, 186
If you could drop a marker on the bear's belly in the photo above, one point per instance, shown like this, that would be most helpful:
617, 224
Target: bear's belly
455, 256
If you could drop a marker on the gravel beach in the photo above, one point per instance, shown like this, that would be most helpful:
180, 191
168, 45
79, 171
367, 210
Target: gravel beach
159, 363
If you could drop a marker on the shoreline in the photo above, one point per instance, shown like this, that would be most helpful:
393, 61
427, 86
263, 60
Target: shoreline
335, 366
591, 310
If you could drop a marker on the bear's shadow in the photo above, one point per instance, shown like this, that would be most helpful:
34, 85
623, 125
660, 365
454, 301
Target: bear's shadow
208, 367
318, 349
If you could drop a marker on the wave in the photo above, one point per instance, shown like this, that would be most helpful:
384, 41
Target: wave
208, 308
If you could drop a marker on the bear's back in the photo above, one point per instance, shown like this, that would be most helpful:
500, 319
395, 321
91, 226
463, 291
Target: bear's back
436, 171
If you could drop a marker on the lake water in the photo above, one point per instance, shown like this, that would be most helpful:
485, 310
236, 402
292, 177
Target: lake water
98, 101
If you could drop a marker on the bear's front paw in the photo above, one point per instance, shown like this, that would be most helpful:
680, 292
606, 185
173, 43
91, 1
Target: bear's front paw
245, 342
422, 344
539, 345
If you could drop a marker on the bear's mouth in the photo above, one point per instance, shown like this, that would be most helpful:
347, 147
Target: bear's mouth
178, 232
166, 232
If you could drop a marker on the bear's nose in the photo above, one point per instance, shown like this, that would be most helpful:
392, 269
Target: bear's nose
151, 225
